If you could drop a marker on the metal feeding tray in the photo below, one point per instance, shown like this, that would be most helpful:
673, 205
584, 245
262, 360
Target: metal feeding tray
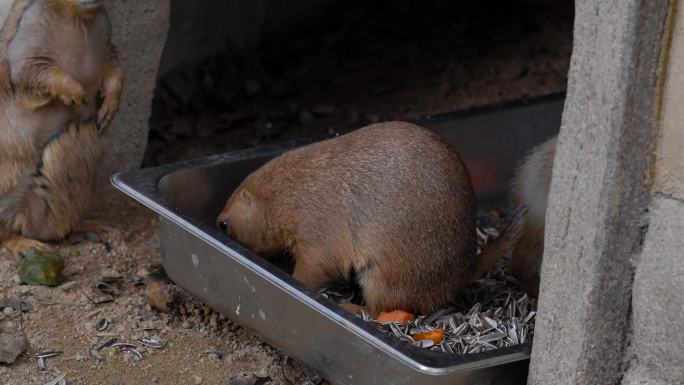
259, 296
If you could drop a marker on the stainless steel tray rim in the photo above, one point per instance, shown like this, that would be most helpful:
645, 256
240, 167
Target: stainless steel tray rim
217, 241
538, 116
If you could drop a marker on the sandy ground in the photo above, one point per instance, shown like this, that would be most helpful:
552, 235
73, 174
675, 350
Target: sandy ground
65, 319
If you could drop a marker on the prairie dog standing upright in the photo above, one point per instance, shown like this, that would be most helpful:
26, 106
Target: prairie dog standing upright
56, 58
531, 189
391, 202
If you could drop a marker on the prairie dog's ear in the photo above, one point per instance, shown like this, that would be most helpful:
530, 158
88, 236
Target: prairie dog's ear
247, 198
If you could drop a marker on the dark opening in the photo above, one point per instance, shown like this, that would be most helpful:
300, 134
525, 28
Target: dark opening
333, 65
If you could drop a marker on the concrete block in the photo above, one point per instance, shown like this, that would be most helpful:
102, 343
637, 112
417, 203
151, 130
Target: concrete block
139, 33
599, 193
658, 299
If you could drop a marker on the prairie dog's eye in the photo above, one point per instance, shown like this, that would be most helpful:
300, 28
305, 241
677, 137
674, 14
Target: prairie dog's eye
223, 225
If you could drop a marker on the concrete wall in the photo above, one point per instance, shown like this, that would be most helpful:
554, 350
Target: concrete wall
657, 345
612, 293
139, 28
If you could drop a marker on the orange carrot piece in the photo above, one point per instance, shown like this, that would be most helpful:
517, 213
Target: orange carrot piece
436, 335
398, 316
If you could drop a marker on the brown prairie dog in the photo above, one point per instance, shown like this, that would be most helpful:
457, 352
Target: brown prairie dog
531, 189
391, 202
56, 57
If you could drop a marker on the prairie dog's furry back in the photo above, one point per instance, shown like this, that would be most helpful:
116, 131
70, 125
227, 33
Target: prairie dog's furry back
531, 189
391, 203
533, 179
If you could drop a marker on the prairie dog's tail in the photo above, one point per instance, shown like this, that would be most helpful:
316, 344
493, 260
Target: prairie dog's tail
493, 252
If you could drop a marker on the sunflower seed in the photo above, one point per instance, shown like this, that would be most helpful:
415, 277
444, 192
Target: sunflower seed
123, 345
424, 343
56, 380
212, 354
48, 354
496, 336
528, 317
491, 313
107, 344
102, 325
108, 288
136, 354
152, 342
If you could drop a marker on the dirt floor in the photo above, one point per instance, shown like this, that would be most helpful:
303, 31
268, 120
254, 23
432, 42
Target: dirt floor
65, 318
337, 74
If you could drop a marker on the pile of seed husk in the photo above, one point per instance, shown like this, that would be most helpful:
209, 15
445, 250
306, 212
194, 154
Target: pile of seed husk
491, 313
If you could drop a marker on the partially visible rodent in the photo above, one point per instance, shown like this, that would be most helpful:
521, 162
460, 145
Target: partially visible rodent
531, 190
56, 63
391, 202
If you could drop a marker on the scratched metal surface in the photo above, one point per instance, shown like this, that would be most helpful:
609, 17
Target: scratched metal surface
303, 323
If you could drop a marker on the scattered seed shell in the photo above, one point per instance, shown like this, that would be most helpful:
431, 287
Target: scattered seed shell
212, 354
152, 343
137, 356
57, 380
102, 325
107, 344
108, 288
491, 313
49, 354
122, 345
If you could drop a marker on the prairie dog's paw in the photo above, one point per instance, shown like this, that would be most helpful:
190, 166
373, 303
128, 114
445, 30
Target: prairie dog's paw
68, 90
106, 112
20, 245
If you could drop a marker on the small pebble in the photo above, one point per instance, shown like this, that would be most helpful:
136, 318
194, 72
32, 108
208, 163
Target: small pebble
196, 380
68, 286
11, 347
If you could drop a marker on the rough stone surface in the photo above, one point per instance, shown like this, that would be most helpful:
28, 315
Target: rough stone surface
599, 193
11, 347
139, 29
657, 344
658, 299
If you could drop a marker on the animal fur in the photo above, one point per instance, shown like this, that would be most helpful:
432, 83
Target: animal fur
56, 59
531, 190
391, 203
